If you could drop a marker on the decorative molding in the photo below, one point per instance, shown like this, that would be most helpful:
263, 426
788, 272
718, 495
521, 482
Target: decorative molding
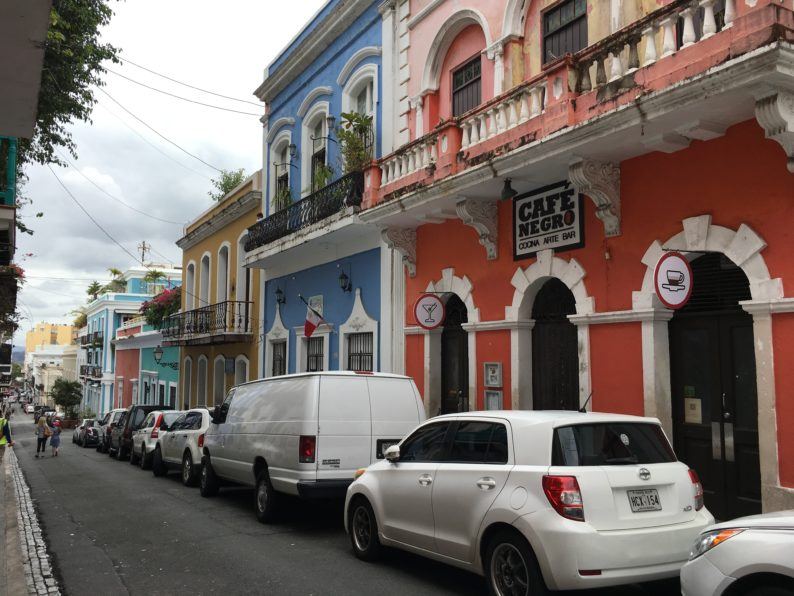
483, 216
601, 182
359, 321
248, 202
278, 125
775, 114
768, 307
311, 97
420, 16
278, 332
403, 240
350, 65
621, 316
462, 286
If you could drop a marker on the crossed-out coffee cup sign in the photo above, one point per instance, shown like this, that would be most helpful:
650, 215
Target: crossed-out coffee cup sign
673, 280
429, 311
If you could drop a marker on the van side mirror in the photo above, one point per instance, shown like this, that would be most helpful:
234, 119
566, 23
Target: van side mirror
392, 454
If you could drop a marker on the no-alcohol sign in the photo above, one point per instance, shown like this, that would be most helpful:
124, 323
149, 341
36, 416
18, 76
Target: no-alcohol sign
673, 280
429, 311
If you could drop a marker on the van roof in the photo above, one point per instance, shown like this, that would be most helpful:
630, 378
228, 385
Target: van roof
327, 373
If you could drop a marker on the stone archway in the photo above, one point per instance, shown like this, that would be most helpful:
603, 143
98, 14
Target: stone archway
527, 283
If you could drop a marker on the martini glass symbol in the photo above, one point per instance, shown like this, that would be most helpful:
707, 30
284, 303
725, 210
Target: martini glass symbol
429, 309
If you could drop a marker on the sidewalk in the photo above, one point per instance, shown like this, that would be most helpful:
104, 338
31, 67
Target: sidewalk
24, 563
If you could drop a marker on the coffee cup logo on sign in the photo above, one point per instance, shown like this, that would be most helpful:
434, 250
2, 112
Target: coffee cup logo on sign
673, 280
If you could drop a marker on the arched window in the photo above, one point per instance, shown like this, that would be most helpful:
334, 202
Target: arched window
187, 373
314, 169
240, 370
222, 288
243, 283
204, 281
281, 163
219, 380
360, 95
201, 382
190, 286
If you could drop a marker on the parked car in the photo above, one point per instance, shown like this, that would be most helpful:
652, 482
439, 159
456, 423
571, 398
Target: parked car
750, 556
145, 438
305, 434
86, 433
29, 408
180, 446
130, 421
106, 425
542, 499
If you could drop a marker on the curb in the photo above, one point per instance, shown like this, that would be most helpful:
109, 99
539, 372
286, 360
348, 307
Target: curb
13, 572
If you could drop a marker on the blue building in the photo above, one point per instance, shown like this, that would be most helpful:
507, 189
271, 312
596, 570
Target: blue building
108, 312
311, 243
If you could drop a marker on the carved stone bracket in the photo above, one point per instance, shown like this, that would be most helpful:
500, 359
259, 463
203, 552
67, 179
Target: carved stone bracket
776, 115
483, 216
601, 182
403, 240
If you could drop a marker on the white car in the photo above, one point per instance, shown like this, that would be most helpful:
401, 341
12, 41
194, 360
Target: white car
749, 556
145, 438
561, 500
29, 408
180, 447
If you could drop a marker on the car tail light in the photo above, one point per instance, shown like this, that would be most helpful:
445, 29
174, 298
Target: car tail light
201, 440
564, 495
156, 429
306, 449
697, 488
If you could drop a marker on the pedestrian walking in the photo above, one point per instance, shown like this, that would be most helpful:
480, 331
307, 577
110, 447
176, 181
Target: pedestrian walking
55, 441
5, 436
43, 432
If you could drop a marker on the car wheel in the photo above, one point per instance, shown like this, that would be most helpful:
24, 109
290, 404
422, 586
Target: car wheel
209, 485
158, 465
266, 498
146, 459
510, 566
189, 475
133, 457
364, 531
119, 453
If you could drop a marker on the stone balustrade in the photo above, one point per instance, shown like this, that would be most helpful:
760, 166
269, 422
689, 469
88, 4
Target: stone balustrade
409, 160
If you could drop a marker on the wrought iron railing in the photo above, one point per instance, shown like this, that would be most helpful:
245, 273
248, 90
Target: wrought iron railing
221, 319
347, 191
87, 370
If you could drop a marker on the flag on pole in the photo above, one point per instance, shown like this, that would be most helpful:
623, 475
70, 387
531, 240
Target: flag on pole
313, 319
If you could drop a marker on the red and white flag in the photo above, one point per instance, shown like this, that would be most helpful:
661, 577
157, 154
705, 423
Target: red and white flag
313, 320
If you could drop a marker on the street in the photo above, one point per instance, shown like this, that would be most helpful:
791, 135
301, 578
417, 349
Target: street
114, 529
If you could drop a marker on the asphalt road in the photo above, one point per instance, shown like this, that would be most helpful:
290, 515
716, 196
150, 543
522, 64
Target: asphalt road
115, 529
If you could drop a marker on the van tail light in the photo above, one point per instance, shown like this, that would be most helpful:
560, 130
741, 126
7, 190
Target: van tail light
201, 440
307, 447
697, 488
156, 429
564, 495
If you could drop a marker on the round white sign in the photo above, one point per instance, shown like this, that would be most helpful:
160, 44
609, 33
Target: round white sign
673, 280
429, 311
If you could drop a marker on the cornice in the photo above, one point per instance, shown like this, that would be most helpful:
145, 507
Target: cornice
315, 43
232, 212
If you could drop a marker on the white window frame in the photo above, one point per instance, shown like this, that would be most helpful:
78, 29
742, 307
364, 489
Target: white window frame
199, 401
283, 140
324, 331
362, 76
175, 387
358, 322
222, 277
242, 358
241, 285
187, 365
278, 332
190, 285
205, 280
321, 109
222, 359
165, 395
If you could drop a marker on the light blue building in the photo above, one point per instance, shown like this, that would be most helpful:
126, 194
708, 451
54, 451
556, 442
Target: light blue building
311, 243
105, 315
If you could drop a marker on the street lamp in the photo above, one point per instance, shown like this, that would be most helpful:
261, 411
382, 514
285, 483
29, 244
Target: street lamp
158, 354
508, 192
344, 282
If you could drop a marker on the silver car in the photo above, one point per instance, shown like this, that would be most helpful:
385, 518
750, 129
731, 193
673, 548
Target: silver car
180, 447
749, 556
145, 438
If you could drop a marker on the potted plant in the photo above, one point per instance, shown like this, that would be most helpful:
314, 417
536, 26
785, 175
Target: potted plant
355, 141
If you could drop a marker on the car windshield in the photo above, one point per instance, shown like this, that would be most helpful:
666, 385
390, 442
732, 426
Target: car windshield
610, 444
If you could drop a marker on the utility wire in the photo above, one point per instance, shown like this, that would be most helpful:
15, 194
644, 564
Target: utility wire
103, 191
148, 142
157, 133
128, 61
201, 103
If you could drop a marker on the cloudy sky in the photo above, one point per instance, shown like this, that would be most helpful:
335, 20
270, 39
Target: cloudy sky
218, 46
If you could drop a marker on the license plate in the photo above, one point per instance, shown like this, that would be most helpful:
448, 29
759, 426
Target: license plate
646, 499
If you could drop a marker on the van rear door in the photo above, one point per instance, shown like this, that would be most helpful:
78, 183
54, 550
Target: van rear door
344, 429
397, 409
627, 473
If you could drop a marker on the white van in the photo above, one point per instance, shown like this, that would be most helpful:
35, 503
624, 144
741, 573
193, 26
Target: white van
306, 434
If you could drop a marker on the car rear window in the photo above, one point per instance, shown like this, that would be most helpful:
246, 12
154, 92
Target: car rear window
610, 444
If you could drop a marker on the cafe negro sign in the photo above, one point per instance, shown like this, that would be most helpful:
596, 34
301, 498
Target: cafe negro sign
549, 217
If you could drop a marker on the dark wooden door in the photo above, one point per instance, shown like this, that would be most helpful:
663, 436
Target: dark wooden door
713, 381
454, 358
555, 354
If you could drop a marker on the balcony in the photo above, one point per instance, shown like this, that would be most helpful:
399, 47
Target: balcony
345, 192
91, 372
97, 339
224, 322
647, 64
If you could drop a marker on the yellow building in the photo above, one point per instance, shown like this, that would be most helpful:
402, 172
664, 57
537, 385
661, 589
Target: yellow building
45, 334
218, 327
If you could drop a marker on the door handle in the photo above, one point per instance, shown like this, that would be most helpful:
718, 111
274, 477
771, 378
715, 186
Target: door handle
486, 483
425, 480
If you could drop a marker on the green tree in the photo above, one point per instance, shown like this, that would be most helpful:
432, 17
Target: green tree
153, 276
117, 283
93, 290
16, 370
226, 181
67, 394
80, 317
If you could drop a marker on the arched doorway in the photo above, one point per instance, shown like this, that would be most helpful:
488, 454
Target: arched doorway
555, 353
454, 357
713, 383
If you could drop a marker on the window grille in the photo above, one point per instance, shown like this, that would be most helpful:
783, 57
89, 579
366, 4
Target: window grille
279, 358
564, 29
467, 87
314, 360
359, 351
